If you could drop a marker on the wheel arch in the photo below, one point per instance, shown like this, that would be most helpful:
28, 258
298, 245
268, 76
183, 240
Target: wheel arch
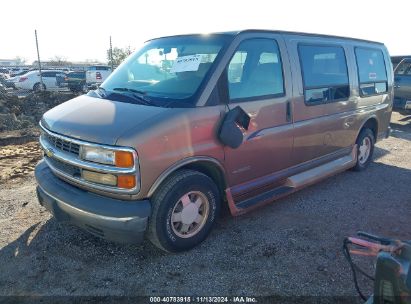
39, 84
206, 165
370, 123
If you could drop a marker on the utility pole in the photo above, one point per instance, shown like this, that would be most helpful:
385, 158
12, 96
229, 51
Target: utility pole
111, 55
38, 60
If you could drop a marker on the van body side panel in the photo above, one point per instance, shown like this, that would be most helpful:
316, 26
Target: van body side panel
267, 144
322, 129
378, 107
385, 116
160, 144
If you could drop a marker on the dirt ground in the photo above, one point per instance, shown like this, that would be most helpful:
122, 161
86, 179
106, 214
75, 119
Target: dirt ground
290, 247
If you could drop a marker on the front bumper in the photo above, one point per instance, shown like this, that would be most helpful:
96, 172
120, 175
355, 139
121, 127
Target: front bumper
112, 219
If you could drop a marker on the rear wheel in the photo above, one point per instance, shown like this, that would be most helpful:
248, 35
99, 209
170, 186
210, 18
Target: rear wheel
365, 148
185, 208
38, 87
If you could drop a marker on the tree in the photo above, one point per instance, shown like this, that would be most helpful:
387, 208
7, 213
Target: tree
119, 54
59, 61
20, 60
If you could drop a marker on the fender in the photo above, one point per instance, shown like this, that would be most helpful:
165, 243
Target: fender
363, 124
182, 163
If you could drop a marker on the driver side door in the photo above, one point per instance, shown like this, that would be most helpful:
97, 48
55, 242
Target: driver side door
259, 82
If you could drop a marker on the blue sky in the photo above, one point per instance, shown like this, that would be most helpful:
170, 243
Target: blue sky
80, 30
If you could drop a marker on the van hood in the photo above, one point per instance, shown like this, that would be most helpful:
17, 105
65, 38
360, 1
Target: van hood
97, 120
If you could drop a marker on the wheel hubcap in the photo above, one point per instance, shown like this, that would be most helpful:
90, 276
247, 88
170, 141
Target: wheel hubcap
364, 150
189, 214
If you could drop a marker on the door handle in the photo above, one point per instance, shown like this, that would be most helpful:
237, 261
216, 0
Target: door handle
288, 112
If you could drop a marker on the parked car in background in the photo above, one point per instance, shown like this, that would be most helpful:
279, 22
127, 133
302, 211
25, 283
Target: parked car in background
18, 71
4, 71
402, 86
3, 80
76, 81
31, 80
397, 59
61, 79
96, 75
11, 82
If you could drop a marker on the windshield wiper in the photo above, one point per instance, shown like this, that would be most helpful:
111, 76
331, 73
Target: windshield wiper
130, 90
137, 95
101, 90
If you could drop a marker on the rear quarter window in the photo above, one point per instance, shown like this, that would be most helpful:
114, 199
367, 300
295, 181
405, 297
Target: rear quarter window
325, 73
372, 72
48, 74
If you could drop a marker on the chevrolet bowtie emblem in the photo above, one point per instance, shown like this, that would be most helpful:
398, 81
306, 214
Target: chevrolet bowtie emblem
49, 152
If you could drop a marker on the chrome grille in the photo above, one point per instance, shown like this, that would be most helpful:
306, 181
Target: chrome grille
64, 167
63, 145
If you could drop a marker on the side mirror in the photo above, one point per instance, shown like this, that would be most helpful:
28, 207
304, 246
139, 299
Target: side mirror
231, 130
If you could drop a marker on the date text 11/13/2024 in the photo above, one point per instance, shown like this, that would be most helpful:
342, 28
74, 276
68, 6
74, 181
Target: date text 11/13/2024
203, 299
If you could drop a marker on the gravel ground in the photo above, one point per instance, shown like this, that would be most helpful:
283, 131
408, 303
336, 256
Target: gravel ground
290, 247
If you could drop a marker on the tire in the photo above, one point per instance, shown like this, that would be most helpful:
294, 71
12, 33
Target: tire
37, 87
187, 191
84, 88
365, 149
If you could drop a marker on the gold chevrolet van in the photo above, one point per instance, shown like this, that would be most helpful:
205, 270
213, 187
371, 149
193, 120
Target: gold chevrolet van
190, 123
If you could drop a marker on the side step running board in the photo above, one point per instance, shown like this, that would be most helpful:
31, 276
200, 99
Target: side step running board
293, 183
264, 196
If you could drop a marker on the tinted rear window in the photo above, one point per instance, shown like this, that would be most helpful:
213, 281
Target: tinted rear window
371, 65
48, 74
404, 68
325, 73
77, 75
98, 68
371, 71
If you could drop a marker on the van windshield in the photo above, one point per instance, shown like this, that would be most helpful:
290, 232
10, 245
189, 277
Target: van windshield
167, 70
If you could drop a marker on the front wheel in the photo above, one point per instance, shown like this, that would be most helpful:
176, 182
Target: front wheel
365, 148
185, 208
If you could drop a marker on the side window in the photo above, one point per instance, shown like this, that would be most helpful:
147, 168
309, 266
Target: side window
371, 71
255, 70
235, 68
325, 73
404, 68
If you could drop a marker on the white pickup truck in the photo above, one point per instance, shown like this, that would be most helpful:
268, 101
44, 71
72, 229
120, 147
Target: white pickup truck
95, 75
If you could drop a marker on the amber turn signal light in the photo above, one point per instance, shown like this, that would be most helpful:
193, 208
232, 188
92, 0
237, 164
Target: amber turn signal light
124, 159
126, 181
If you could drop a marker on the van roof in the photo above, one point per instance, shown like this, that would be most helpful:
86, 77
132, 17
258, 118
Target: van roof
235, 33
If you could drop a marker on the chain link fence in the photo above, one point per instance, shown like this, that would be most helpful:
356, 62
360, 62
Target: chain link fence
29, 90
23, 80
26, 93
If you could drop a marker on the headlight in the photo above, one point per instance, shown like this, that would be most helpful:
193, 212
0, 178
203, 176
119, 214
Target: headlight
122, 159
98, 155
